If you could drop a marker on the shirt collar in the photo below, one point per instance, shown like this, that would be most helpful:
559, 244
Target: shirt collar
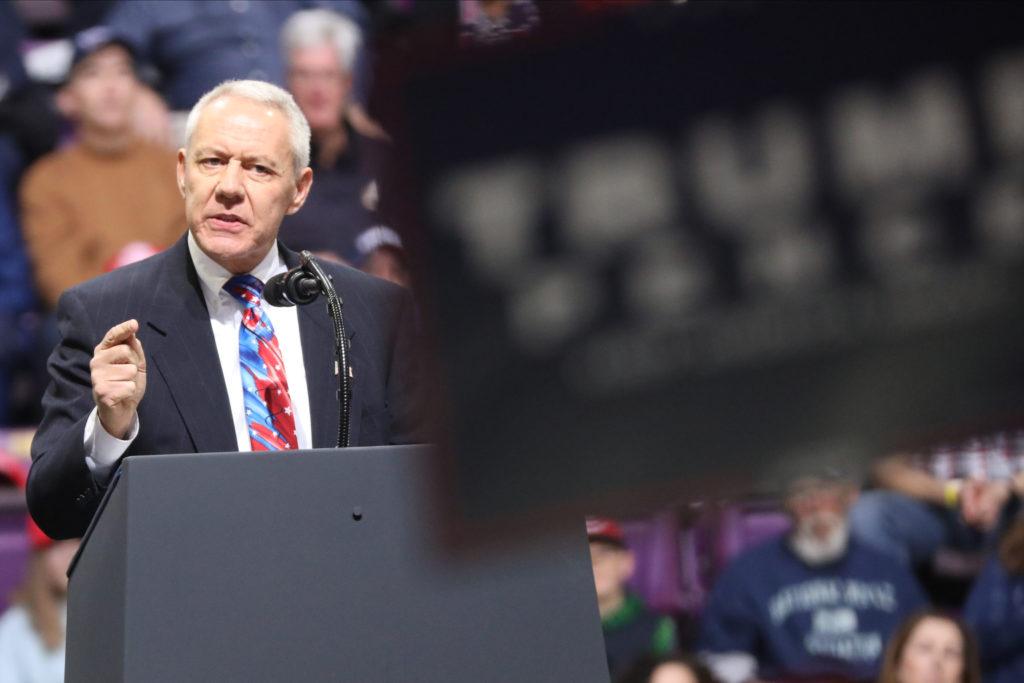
212, 275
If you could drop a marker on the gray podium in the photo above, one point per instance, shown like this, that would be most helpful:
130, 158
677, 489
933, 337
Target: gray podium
317, 566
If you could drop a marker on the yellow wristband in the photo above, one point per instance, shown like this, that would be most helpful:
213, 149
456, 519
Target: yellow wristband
951, 493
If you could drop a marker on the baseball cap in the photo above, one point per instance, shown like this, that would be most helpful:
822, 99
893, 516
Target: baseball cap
605, 530
15, 470
90, 40
376, 237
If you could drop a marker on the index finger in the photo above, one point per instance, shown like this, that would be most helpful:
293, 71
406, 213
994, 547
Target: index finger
140, 355
119, 333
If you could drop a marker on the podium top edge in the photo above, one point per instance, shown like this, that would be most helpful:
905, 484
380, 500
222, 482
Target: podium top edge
139, 459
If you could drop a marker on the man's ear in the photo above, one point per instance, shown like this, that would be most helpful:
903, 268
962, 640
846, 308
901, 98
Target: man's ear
302, 186
180, 171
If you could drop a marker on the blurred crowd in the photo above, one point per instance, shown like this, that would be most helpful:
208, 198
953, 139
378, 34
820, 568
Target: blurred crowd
915, 575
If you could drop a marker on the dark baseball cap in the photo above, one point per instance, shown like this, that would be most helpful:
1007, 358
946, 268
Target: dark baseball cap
89, 41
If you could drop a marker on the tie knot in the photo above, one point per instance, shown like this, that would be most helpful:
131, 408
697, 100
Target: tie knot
245, 288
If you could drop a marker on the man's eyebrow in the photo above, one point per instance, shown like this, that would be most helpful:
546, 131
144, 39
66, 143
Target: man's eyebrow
260, 159
203, 151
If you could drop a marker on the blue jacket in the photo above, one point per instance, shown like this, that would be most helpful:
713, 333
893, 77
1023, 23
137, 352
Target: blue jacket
995, 611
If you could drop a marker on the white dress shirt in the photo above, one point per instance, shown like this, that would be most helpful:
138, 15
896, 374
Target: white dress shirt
103, 450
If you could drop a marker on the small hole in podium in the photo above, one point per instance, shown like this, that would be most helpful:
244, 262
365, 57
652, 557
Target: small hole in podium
357, 513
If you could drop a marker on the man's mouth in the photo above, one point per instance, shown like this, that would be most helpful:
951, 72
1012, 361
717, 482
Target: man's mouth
227, 221
229, 217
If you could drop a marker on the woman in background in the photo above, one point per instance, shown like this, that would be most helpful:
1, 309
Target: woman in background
931, 647
675, 668
32, 629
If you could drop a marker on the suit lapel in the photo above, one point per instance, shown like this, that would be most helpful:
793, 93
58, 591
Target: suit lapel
185, 354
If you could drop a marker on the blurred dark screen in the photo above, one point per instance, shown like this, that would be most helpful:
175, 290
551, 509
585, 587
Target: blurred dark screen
675, 250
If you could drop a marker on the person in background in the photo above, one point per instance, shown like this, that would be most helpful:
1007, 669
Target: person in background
320, 49
192, 45
80, 205
30, 127
631, 631
931, 647
486, 22
956, 496
812, 604
995, 610
675, 668
33, 627
382, 254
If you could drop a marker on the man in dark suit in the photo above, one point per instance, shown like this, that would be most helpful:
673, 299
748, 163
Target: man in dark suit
178, 354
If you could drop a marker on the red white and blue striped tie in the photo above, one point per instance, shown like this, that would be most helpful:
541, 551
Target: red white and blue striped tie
268, 406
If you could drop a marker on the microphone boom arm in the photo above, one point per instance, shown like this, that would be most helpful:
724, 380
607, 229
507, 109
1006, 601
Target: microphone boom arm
342, 369
301, 286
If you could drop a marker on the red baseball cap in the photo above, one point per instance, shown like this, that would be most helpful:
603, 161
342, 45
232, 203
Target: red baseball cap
16, 471
605, 530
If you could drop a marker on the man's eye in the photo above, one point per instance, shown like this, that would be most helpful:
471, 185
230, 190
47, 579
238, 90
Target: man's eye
261, 170
210, 162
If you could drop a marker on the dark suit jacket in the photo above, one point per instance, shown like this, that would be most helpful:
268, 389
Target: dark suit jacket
185, 408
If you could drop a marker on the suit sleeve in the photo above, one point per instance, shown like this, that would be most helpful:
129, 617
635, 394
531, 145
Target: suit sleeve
62, 494
406, 379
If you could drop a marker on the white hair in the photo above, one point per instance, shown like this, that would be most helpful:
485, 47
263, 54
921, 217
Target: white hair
262, 93
315, 27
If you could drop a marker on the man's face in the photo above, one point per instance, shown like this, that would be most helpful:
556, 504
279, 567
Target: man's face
102, 90
818, 507
613, 566
238, 181
319, 85
387, 264
819, 518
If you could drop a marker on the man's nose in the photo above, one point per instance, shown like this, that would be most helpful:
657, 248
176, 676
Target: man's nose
229, 185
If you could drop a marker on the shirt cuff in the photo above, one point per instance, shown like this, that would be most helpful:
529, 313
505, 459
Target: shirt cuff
731, 667
103, 451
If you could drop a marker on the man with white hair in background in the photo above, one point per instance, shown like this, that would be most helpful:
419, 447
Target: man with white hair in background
178, 353
812, 604
320, 49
